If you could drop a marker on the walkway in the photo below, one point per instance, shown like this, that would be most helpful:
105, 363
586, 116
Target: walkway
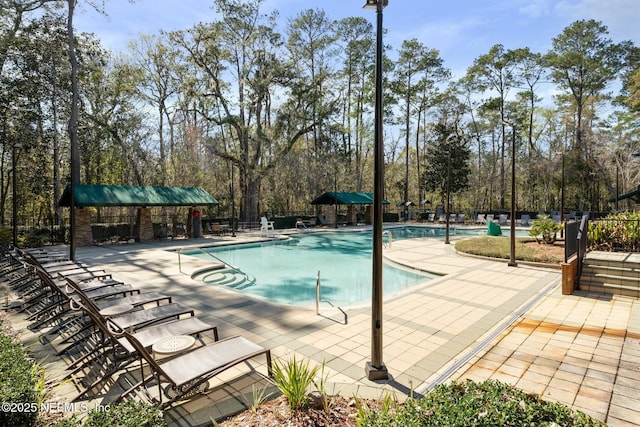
481, 320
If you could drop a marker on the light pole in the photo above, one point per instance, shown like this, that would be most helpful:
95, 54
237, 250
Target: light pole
233, 207
14, 192
448, 209
375, 369
512, 237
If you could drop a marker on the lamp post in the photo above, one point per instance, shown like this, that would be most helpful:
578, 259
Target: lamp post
448, 207
562, 191
512, 237
14, 193
375, 369
233, 207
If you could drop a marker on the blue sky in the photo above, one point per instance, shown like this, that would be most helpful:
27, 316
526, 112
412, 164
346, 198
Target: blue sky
461, 30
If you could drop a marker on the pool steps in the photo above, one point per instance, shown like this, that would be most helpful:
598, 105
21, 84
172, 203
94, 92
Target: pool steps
230, 278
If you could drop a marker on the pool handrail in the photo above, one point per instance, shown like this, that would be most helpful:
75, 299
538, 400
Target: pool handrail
318, 291
209, 254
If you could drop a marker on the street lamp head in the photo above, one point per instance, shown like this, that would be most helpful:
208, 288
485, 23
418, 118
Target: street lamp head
373, 4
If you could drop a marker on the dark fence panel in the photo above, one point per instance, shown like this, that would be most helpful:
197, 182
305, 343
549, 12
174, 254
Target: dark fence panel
570, 239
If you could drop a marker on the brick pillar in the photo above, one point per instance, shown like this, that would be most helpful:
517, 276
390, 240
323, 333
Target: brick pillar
83, 236
144, 225
330, 216
352, 218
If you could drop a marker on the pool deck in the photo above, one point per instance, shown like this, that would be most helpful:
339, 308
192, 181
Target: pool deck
480, 320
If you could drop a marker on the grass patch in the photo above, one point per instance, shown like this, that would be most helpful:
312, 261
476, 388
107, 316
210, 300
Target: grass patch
527, 249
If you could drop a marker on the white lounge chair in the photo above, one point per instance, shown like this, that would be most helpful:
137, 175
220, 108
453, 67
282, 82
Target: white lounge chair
524, 220
266, 227
481, 219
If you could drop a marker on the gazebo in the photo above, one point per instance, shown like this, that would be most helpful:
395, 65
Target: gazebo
93, 195
350, 199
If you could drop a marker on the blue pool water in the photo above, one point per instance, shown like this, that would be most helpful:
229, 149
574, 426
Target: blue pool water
285, 271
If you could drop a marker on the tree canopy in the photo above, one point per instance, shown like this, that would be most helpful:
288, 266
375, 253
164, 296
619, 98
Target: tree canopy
269, 116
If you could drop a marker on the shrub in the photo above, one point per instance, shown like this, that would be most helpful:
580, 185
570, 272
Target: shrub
490, 403
615, 232
294, 378
17, 384
127, 414
545, 226
6, 236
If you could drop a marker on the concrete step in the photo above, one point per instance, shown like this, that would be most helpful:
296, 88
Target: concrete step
607, 288
610, 277
612, 270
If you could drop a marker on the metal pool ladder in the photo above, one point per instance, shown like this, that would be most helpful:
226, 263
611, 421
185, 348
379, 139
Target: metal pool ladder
389, 238
318, 295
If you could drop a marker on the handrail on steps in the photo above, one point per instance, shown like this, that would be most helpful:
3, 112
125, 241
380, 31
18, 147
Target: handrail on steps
215, 258
390, 237
318, 295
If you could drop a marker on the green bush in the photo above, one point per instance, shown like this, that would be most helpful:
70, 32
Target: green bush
17, 385
490, 403
546, 227
36, 238
6, 236
127, 414
615, 232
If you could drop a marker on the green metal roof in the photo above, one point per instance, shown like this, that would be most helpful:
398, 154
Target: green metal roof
130, 195
345, 198
633, 195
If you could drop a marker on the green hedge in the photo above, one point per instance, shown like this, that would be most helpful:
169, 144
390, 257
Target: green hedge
18, 380
490, 403
616, 232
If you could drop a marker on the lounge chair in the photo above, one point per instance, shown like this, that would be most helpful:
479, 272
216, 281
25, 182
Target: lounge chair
460, 218
504, 218
187, 372
481, 219
524, 220
138, 318
107, 351
490, 218
266, 227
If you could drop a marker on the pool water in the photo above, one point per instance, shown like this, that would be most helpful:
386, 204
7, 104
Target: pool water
286, 271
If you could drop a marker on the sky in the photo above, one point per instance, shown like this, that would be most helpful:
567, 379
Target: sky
461, 30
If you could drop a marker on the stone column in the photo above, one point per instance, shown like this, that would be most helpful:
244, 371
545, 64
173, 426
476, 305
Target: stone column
144, 225
84, 235
352, 217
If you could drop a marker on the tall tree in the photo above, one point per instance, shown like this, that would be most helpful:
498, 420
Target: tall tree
357, 38
417, 71
495, 70
242, 53
583, 62
447, 161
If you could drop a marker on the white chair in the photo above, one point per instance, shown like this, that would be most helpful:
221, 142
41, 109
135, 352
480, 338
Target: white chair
524, 220
266, 227
481, 219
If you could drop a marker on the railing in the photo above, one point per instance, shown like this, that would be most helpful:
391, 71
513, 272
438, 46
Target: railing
318, 297
583, 243
318, 292
215, 258
389, 238
576, 242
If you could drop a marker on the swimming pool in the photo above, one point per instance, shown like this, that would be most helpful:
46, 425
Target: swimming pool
286, 271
